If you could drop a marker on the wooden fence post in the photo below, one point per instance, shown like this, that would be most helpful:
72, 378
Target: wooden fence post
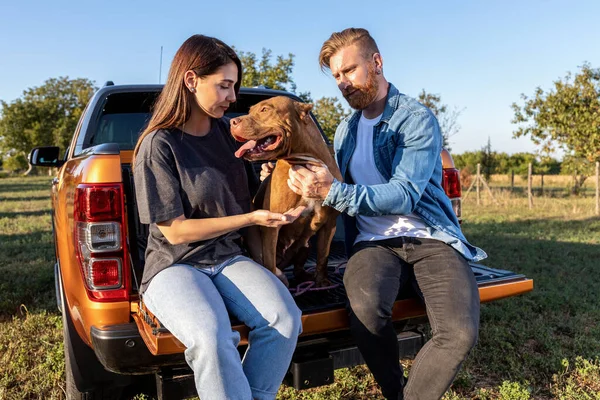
478, 182
597, 187
512, 180
529, 182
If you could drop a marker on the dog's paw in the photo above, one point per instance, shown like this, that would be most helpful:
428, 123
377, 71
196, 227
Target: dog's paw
303, 276
322, 281
281, 276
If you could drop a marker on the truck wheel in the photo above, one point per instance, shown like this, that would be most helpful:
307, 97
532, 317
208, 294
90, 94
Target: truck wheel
80, 360
72, 393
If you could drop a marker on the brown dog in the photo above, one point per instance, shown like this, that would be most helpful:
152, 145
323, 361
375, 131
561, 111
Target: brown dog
282, 129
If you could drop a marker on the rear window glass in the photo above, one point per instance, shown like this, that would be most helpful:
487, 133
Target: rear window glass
125, 115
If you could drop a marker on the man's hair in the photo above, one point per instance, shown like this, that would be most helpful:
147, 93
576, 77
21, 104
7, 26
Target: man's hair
345, 38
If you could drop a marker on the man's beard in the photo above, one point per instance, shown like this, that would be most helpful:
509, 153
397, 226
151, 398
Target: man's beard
364, 94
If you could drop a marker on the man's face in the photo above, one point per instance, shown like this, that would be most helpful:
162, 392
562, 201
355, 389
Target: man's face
355, 76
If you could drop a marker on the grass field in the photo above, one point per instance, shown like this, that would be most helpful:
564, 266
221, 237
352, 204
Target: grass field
542, 345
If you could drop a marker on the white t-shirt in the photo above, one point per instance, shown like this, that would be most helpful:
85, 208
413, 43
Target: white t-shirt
364, 172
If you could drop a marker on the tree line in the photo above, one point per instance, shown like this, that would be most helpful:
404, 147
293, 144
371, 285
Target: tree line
566, 117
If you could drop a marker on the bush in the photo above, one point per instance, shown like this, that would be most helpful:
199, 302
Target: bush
466, 176
579, 383
15, 163
513, 391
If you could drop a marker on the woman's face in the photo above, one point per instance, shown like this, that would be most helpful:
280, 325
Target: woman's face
214, 93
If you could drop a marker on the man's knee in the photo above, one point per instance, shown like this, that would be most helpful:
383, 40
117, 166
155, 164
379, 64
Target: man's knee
466, 338
460, 338
370, 314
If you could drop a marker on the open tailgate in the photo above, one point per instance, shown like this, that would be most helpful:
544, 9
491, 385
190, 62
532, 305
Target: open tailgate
324, 311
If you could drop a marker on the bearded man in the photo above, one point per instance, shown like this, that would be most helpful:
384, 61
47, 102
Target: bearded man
400, 228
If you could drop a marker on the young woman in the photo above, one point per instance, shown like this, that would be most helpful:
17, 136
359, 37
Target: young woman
194, 193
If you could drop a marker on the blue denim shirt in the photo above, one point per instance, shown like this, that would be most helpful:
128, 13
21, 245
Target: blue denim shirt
407, 144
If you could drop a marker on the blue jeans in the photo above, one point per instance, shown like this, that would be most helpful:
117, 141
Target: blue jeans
193, 303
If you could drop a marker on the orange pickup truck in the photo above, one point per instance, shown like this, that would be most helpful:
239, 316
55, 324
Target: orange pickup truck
109, 337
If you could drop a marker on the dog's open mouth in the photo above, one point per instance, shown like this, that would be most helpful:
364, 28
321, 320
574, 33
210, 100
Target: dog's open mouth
253, 148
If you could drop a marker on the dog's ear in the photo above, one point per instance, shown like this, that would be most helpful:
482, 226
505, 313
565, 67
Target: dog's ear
303, 110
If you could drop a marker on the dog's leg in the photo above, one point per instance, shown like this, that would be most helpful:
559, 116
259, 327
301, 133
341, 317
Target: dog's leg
297, 254
269, 246
324, 239
300, 274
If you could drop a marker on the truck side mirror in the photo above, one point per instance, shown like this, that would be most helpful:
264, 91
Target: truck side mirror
47, 156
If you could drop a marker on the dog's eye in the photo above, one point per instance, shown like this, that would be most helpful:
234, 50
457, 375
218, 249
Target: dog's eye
264, 109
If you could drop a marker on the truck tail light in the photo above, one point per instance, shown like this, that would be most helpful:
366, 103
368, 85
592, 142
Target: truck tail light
100, 240
451, 185
105, 273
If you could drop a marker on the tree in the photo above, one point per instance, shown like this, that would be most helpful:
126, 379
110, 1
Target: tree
566, 117
43, 116
519, 163
15, 163
502, 163
488, 160
329, 112
468, 159
447, 119
273, 76
579, 169
549, 166
263, 72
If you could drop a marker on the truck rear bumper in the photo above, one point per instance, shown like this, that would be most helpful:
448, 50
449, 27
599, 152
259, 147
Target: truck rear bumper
312, 365
120, 349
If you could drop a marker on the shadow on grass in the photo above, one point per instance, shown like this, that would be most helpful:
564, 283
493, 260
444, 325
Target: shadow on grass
24, 187
15, 214
526, 337
27, 273
25, 198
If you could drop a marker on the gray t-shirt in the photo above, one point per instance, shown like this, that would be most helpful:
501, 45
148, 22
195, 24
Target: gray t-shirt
176, 173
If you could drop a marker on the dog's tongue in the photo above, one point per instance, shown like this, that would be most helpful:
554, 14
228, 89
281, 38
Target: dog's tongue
249, 145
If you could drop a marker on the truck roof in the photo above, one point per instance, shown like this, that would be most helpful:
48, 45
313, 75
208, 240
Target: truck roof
261, 90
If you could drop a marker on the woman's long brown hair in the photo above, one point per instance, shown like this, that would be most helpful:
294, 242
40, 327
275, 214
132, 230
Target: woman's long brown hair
201, 54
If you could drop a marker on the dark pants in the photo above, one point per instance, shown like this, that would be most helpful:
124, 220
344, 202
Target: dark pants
375, 274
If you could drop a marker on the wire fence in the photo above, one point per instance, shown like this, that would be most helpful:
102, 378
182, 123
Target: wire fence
531, 186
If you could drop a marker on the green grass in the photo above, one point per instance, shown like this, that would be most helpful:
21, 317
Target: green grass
542, 345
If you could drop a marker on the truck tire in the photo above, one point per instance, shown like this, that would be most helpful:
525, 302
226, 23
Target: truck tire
95, 383
72, 393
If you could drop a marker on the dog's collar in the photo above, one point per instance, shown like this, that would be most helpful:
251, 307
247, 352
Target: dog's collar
300, 158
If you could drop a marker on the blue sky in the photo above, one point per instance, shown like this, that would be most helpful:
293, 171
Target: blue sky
478, 55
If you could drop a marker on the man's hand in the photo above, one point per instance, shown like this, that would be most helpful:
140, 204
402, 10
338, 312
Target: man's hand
266, 169
311, 181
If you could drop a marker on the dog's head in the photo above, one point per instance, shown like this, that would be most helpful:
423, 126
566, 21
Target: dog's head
269, 128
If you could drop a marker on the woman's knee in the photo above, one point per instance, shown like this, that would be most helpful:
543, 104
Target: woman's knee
291, 322
285, 318
210, 343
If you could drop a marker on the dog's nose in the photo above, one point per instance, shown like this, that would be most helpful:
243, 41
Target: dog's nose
235, 121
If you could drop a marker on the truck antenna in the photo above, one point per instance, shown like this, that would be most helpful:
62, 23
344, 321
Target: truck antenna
160, 65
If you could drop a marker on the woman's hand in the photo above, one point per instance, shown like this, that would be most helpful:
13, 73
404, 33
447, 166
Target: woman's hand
266, 169
273, 220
